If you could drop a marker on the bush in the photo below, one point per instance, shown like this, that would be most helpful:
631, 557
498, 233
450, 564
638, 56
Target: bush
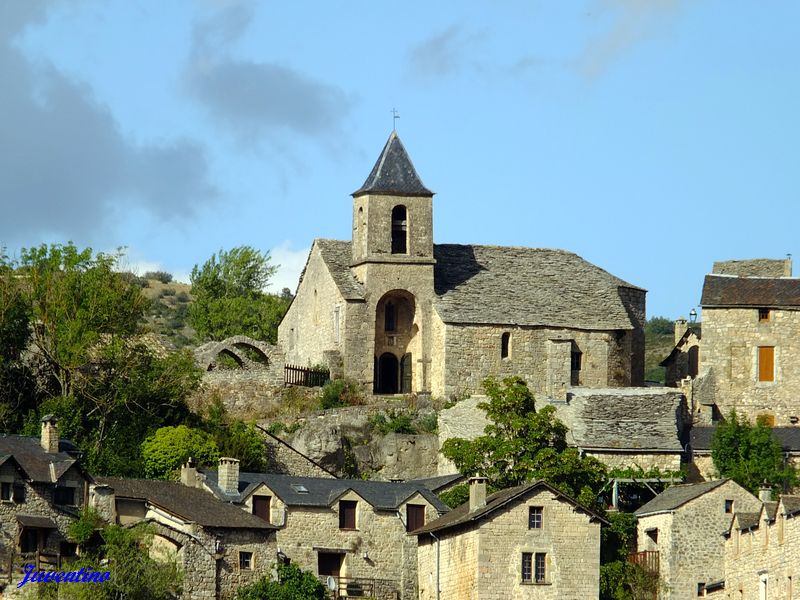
292, 584
393, 422
167, 292
429, 423
659, 326
182, 297
340, 392
168, 448
161, 276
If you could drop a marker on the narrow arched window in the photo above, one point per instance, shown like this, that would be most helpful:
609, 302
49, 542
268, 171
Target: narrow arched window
389, 317
399, 230
505, 345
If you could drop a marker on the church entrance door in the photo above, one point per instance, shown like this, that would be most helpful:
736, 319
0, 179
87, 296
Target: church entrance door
388, 380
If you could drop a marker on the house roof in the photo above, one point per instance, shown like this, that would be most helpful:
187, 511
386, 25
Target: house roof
191, 504
35, 461
338, 255
788, 437
727, 291
462, 516
626, 419
676, 496
394, 173
36, 521
791, 504
754, 267
770, 509
322, 492
746, 520
435, 484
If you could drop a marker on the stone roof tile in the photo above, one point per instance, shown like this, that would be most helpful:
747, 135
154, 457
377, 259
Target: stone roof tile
755, 267
788, 437
791, 504
338, 255
725, 291
676, 496
394, 173
34, 460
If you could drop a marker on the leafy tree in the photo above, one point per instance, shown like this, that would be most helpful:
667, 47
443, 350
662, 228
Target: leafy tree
659, 326
749, 454
292, 584
236, 438
521, 444
168, 448
229, 298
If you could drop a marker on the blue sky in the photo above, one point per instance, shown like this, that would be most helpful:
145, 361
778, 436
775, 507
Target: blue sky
651, 137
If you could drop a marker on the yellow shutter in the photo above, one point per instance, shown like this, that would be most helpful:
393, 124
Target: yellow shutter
766, 363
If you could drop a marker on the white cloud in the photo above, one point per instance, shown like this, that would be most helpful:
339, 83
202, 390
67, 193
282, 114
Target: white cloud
291, 265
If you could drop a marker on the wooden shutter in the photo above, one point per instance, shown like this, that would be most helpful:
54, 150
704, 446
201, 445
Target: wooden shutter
347, 514
261, 507
405, 374
766, 363
415, 516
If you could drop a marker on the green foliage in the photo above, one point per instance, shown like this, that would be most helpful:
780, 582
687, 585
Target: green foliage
618, 539
167, 291
749, 454
292, 584
521, 444
82, 530
340, 392
459, 494
161, 276
659, 326
622, 580
165, 451
279, 427
428, 423
236, 438
393, 422
229, 298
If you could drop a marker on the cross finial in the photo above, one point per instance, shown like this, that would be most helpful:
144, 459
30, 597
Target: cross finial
395, 116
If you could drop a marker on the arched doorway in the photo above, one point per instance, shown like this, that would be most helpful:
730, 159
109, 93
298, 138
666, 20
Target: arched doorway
387, 376
395, 340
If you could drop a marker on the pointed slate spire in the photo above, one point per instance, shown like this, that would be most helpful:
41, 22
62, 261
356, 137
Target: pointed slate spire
393, 174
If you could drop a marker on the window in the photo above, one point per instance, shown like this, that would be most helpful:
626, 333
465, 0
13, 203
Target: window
389, 317
29, 540
766, 363
5, 491
347, 514
18, 493
399, 230
763, 314
415, 516
701, 589
505, 345
527, 567
728, 506
652, 534
535, 517
540, 563
245, 561
576, 359
261, 506
64, 496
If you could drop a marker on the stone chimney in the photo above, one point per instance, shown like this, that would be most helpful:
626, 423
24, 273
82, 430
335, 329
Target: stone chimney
477, 493
228, 475
680, 328
50, 434
102, 499
189, 473
765, 492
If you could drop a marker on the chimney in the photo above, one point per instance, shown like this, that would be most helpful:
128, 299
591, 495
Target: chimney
765, 492
680, 328
228, 475
477, 493
189, 473
50, 434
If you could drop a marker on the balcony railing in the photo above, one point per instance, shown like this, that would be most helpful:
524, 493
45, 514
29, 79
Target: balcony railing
647, 560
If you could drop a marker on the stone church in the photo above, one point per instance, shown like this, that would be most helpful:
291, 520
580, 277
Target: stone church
400, 314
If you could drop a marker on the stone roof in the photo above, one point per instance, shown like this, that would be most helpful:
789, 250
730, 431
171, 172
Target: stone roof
746, 520
791, 504
676, 496
788, 437
526, 286
393, 173
35, 461
626, 418
756, 267
725, 291
338, 255
322, 492
461, 516
191, 504
439, 482
770, 509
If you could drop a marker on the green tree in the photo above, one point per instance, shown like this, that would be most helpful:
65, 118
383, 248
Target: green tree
521, 444
749, 454
229, 298
292, 584
168, 448
236, 438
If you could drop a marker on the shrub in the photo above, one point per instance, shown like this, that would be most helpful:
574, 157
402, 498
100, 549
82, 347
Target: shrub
168, 448
429, 423
161, 276
182, 297
167, 292
340, 392
292, 584
393, 422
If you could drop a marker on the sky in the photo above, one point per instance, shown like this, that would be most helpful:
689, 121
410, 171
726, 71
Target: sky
651, 137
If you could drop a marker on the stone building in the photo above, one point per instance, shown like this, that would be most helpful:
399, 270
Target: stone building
217, 546
684, 524
43, 488
398, 313
751, 341
684, 360
530, 541
354, 531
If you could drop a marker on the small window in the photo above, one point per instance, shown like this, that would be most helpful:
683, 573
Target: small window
652, 534
18, 493
766, 363
245, 561
347, 514
415, 516
64, 496
399, 230
389, 317
29, 540
300, 489
505, 345
763, 314
701, 590
527, 567
539, 567
5, 491
728, 506
534, 517
576, 358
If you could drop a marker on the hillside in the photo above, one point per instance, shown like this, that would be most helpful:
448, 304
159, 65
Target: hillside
167, 313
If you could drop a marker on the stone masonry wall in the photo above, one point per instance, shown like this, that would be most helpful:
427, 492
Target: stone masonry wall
666, 461
457, 560
731, 338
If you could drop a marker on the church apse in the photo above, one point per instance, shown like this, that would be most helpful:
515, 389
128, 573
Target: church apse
396, 342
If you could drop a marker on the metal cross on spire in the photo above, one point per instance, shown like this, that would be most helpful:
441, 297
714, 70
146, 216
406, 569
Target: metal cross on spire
395, 116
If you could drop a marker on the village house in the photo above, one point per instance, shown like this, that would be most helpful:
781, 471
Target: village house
217, 546
43, 488
530, 541
351, 531
684, 359
684, 525
398, 313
